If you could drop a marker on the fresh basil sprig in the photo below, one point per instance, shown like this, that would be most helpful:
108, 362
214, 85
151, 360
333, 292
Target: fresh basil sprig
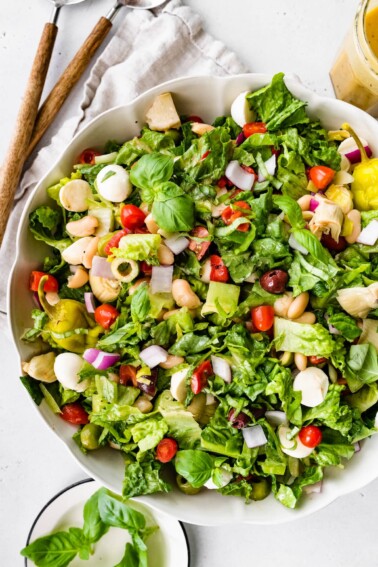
102, 511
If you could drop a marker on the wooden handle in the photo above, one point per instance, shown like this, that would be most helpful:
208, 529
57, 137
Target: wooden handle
68, 80
18, 148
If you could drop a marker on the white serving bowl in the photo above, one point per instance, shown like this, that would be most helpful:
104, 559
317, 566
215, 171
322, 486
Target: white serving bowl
209, 97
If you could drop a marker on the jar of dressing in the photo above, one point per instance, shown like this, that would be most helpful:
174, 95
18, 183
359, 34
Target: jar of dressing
355, 72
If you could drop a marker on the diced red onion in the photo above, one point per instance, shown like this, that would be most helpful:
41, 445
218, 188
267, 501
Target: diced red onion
105, 360
294, 244
357, 447
254, 436
161, 279
153, 355
90, 303
177, 243
349, 149
275, 417
369, 234
315, 488
91, 354
240, 138
270, 165
241, 178
36, 300
101, 268
314, 204
221, 368
333, 330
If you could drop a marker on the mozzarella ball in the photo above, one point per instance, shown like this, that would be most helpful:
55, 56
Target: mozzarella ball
313, 384
67, 367
113, 183
240, 110
292, 447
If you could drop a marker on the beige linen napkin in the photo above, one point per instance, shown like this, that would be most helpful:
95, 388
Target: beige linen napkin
148, 48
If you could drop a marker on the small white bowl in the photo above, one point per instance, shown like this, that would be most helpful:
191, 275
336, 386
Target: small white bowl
208, 97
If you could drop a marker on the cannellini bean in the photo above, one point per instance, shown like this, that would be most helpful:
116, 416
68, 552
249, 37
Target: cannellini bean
300, 361
151, 224
75, 252
165, 255
307, 215
90, 251
308, 317
355, 217
78, 279
298, 306
304, 202
75, 194
135, 285
206, 271
282, 304
82, 227
200, 128
143, 404
184, 296
171, 362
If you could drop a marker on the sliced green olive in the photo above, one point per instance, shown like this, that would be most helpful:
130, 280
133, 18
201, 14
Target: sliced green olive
90, 435
261, 489
185, 486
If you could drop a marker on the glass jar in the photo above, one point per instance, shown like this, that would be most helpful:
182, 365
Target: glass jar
355, 72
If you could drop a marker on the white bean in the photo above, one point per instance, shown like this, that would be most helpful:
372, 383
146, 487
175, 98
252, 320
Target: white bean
298, 306
184, 296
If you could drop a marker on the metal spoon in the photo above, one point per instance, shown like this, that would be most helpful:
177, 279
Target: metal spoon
18, 148
78, 65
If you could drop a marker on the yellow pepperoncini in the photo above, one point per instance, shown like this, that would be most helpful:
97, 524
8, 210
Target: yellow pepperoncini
365, 184
68, 320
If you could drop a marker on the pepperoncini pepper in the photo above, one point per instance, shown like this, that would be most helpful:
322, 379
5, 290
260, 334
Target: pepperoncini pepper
365, 184
66, 317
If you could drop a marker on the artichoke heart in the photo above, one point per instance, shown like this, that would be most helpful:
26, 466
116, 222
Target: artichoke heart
328, 218
358, 301
341, 196
369, 332
41, 367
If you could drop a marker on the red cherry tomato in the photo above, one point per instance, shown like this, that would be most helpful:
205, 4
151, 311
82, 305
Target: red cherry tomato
315, 360
132, 217
218, 272
88, 156
50, 285
263, 317
127, 375
254, 128
194, 118
332, 245
232, 213
146, 268
204, 156
310, 436
115, 240
105, 315
321, 176
199, 248
74, 413
249, 170
222, 182
200, 376
166, 450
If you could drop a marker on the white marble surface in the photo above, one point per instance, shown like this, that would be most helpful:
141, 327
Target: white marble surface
295, 36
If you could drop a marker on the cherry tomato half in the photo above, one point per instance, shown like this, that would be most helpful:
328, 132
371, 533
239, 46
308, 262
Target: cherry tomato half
263, 317
232, 213
105, 315
115, 240
321, 176
74, 413
222, 182
315, 360
146, 268
132, 217
254, 128
194, 118
127, 375
88, 156
50, 285
218, 272
199, 248
166, 450
200, 376
310, 436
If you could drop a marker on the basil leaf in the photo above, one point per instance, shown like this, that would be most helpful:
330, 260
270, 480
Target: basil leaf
306, 239
115, 513
151, 170
140, 303
194, 466
55, 550
173, 210
291, 209
131, 557
33, 388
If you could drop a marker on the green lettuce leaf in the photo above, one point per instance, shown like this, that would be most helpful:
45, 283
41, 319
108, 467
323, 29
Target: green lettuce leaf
299, 337
138, 247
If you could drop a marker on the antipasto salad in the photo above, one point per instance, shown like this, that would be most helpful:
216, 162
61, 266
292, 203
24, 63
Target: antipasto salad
209, 303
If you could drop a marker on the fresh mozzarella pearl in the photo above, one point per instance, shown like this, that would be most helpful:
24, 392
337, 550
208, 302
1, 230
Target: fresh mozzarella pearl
75, 194
225, 478
178, 385
67, 367
292, 447
240, 110
313, 383
113, 183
